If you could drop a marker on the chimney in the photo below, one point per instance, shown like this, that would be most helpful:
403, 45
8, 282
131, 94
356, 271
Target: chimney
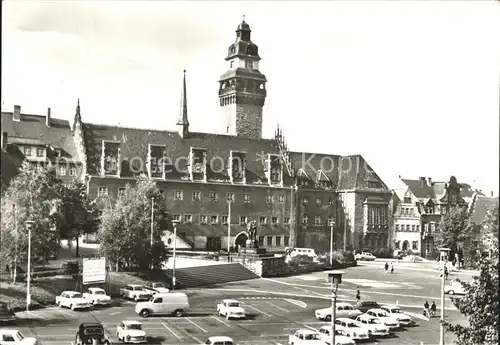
429, 181
16, 115
422, 181
47, 119
492, 194
4, 141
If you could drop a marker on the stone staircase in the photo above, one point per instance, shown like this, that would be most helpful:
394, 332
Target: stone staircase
190, 277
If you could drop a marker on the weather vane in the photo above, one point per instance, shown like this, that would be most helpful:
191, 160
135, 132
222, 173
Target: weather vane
243, 16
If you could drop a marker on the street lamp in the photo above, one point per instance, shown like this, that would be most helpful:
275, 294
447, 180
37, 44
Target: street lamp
332, 224
175, 223
334, 278
444, 257
29, 225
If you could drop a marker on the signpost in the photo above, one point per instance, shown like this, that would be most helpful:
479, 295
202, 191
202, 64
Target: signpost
94, 271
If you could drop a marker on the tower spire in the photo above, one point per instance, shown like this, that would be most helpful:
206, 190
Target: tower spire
183, 123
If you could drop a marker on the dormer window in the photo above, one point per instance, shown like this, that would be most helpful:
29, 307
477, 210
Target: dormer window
27, 151
57, 153
305, 200
249, 64
40, 152
197, 164
274, 170
156, 161
237, 166
322, 180
110, 158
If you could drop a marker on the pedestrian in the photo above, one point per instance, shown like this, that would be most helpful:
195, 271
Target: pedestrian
446, 272
392, 268
386, 267
358, 294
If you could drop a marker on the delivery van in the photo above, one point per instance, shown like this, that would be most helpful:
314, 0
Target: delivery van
171, 303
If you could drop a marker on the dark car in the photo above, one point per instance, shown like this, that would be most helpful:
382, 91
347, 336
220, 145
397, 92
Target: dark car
88, 331
6, 314
367, 305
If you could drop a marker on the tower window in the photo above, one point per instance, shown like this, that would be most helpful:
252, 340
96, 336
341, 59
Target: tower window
231, 65
249, 64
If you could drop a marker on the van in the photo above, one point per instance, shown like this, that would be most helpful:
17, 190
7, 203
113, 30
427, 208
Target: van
171, 303
303, 251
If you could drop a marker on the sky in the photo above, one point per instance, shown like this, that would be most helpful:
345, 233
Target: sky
412, 86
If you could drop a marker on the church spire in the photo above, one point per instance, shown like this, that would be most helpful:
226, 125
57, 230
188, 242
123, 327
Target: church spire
78, 116
183, 123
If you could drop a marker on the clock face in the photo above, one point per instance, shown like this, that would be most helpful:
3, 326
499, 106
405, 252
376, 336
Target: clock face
198, 168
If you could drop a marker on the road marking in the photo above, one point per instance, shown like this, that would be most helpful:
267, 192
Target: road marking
168, 329
277, 307
299, 304
37, 316
216, 318
418, 316
115, 313
260, 311
66, 312
202, 329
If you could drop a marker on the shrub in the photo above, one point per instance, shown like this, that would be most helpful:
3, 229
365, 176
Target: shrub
301, 260
383, 253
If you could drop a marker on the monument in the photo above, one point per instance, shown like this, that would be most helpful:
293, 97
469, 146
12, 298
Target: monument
252, 244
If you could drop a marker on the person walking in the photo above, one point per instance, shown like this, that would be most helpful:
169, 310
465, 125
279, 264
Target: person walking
358, 294
426, 309
445, 268
386, 267
392, 268
433, 308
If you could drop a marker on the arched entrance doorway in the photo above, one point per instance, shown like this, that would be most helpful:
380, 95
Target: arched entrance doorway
406, 245
241, 240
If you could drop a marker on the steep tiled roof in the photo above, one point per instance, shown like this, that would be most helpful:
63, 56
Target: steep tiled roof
419, 188
481, 207
33, 130
467, 192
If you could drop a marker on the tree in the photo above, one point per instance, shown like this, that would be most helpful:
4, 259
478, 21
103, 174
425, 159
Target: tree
125, 229
489, 229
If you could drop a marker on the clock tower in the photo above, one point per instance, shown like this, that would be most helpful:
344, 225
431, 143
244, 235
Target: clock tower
242, 89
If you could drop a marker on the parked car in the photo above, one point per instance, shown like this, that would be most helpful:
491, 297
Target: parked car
364, 256
341, 337
374, 326
172, 303
220, 340
305, 337
384, 317
73, 300
90, 331
352, 329
366, 305
14, 337
304, 251
455, 287
230, 308
401, 317
135, 292
155, 287
130, 331
6, 314
97, 296
341, 310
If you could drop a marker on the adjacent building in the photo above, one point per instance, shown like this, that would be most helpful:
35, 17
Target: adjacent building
212, 181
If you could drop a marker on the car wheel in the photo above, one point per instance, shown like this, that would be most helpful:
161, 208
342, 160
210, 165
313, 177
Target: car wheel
227, 316
59, 303
179, 312
72, 307
328, 318
451, 292
123, 296
135, 299
145, 313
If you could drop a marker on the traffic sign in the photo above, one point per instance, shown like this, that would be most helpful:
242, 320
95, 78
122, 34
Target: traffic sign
94, 271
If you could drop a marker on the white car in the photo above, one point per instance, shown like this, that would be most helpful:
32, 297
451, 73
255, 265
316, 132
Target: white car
455, 287
384, 317
374, 326
231, 308
364, 256
341, 310
220, 340
130, 331
352, 329
156, 287
97, 296
73, 300
340, 336
394, 310
135, 292
14, 337
305, 337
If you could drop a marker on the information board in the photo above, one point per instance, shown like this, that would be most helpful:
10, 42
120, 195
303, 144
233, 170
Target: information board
94, 271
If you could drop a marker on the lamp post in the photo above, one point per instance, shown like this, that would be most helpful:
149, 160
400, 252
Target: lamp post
174, 223
334, 278
228, 230
29, 226
444, 256
332, 224
152, 218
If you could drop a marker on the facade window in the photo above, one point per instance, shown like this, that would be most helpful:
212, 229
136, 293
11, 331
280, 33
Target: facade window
178, 194
417, 228
261, 241
39, 152
121, 191
407, 200
230, 197
188, 218
331, 202
426, 227
269, 241
414, 245
203, 219
72, 171
275, 174
397, 227
274, 220
281, 199
407, 227
176, 216
317, 220
331, 219
286, 220
413, 228
269, 199
429, 210
102, 191
262, 220
286, 241
278, 241
318, 202
224, 219
247, 198
305, 220
214, 197
196, 196
243, 220
27, 151
443, 209
110, 164
305, 200
398, 244
214, 219
62, 170
57, 153
249, 64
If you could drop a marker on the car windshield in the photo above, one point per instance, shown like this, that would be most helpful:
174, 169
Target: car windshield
19, 336
134, 326
99, 292
397, 311
138, 288
76, 295
313, 336
374, 321
382, 314
233, 304
159, 285
352, 325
